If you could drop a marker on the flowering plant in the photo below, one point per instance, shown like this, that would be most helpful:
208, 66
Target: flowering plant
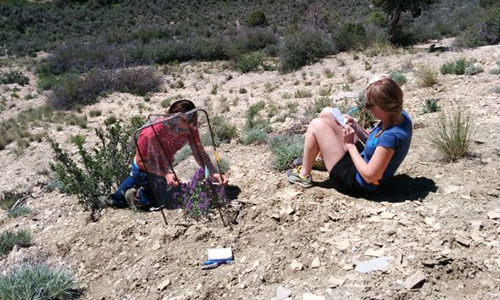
197, 195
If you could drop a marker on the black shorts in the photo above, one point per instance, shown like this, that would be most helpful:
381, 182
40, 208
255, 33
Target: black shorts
343, 174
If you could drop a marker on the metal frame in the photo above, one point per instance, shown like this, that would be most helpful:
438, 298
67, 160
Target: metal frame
167, 117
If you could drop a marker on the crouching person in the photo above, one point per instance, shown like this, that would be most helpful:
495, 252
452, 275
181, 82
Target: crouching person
156, 148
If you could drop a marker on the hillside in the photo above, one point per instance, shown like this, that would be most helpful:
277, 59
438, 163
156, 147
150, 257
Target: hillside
437, 217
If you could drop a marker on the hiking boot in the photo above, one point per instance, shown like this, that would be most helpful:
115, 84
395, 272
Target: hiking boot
319, 164
293, 176
131, 198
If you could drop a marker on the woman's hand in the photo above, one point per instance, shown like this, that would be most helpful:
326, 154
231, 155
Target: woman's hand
220, 178
348, 134
171, 180
351, 122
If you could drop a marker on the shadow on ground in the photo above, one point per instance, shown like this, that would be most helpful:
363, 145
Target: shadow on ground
399, 188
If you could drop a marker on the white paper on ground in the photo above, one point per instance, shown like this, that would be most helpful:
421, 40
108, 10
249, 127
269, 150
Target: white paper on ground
338, 116
220, 254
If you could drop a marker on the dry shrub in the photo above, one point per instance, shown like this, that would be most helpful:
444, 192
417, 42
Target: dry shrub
452, 136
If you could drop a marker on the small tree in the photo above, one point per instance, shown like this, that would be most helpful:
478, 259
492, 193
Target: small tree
394, 8
257, 18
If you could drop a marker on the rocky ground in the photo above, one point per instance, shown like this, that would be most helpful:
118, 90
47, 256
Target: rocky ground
433, 233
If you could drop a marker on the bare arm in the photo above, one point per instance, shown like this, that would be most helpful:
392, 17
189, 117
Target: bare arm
374, 170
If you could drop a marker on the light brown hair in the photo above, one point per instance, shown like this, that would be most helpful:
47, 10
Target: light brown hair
387, 95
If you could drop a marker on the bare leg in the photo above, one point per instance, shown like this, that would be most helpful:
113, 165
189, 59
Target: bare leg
323, 139
326, 114
324, 136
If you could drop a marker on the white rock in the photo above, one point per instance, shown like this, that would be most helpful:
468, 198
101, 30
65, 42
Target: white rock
283, 293
387, 215
380, 263
315, 263
335, 282
429, 221
295, 265
343, 244
156, 245
451, 189
494, 215
375, 253
163, 285
308, 296
414, 280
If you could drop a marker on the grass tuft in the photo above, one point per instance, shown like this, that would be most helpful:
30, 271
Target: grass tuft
427, 77
452, 136
285, 149
9, 239
20, 211
430, 106
36, 281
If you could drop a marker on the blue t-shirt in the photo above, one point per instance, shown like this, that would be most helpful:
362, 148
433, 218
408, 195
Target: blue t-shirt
397, 138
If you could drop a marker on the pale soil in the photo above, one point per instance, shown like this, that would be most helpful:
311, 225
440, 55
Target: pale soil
422, 220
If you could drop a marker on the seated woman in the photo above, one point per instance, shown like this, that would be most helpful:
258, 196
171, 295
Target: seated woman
156, 148
355, 168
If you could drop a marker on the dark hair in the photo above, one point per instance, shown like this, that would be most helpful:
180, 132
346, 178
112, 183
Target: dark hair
181, 106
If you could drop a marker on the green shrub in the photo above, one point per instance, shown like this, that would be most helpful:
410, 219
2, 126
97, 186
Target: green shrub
256, 18
20, 211
328, 73
251, 40
9, 239
399, 77
76, 90
99, 170
317, 106
253, 135
368, 65
285, 149
302, 94
452, 136
256, 128
222, 130
427, 77
36, 281
292, 108
350, 37
14, 77
430, 106
304, 47
491, 29
137, 81
249, 62
165, 103
9, 199
95, 113
360, 113
457, 67
473, 70
325, 92
77, 139
471, 37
